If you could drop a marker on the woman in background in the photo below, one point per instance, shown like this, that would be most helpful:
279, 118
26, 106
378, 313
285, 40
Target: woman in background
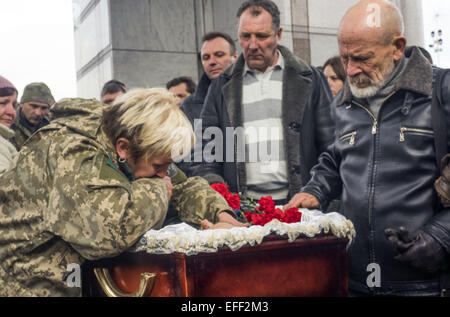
335, 74
8, 104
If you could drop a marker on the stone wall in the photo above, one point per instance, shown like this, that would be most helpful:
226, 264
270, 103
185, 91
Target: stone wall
145, 43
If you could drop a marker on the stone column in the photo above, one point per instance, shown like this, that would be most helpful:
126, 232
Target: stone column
153, 41
93, 49
300, 29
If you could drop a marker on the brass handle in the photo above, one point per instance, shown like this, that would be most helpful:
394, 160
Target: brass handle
111, 290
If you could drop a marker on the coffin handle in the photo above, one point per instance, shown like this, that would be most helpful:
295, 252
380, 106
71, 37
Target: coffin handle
111, 290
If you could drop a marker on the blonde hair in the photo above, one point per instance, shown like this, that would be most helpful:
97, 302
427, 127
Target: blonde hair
151, 121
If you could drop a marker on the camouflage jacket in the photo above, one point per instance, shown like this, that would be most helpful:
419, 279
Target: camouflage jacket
22, 132
64, 201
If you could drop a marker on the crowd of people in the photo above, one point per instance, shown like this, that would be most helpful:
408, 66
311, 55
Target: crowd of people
85, 179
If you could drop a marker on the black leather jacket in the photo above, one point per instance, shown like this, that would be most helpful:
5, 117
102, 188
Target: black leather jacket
306, 116
384, 169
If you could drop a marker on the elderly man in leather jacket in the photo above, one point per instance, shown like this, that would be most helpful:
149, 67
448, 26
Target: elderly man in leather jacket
383, 160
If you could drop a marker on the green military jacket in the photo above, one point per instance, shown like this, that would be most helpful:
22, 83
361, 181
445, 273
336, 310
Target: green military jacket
64, 202
21, 132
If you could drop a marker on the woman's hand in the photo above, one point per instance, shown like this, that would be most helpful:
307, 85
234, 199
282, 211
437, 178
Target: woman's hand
303, 200
225, 221
226, 217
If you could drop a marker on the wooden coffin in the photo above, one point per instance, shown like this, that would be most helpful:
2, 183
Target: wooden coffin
275, 268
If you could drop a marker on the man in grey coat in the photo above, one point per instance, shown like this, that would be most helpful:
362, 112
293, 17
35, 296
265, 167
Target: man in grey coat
269, 99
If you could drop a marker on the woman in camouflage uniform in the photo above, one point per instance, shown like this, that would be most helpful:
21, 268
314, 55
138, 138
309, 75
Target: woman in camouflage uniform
90, 184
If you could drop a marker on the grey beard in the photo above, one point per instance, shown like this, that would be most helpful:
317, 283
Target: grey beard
367, 92
374, 88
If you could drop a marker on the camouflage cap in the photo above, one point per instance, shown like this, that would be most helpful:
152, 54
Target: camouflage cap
38, 92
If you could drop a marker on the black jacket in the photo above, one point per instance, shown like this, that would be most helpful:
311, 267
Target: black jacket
306, 117
192, 105
384, 169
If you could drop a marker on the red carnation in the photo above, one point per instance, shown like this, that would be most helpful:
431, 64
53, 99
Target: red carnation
266, 204
293, 215
256, 219
261, 215
221, 188
279, 214
233, 200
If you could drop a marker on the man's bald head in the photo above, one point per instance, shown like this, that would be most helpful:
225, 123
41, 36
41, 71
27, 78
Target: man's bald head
371, 44
379, 20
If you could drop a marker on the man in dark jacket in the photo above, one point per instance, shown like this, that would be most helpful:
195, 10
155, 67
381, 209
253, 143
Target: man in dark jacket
279, 102
383, 160
217, 54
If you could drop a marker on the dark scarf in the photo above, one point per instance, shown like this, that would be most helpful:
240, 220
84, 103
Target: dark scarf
32, 128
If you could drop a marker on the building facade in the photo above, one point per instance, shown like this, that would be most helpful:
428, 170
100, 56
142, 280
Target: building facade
145, 43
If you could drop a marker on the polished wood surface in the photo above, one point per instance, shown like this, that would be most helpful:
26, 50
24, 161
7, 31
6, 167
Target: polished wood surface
275, 268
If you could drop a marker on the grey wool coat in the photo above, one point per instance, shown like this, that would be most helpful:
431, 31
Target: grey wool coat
307, 125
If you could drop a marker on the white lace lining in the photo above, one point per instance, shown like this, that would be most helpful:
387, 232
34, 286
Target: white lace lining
182, 238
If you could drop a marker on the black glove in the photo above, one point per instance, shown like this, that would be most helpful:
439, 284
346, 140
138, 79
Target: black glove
420, 250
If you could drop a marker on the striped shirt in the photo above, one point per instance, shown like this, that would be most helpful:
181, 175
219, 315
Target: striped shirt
265, 162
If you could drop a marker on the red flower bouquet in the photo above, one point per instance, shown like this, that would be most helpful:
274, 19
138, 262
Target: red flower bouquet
232, 199
260, 213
